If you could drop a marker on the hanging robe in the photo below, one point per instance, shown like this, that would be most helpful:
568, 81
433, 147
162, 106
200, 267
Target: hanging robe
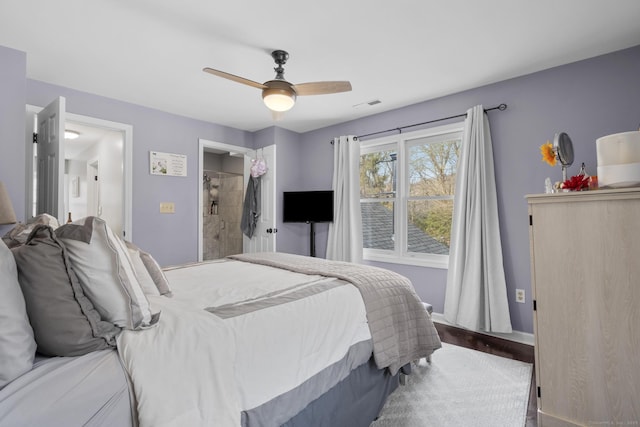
251, 207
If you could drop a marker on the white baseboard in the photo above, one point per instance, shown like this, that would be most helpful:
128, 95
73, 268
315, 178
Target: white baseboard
516, 336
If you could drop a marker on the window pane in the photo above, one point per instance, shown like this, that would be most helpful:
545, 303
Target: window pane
377, 225
432, 168
377, 174
429, 226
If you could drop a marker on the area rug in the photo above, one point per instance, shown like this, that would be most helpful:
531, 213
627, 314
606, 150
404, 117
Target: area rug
460, 387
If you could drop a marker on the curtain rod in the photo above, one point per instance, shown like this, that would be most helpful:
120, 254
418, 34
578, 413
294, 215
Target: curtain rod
500, 107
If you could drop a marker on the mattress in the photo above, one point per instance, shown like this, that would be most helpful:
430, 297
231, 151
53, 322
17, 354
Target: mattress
251, 358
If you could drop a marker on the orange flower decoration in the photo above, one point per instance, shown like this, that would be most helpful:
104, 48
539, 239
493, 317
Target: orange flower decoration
548, 155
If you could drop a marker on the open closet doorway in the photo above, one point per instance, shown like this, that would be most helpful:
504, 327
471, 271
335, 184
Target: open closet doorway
224, 170
96, 176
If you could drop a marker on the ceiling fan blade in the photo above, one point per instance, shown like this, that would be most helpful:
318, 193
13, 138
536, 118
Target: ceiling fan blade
234, 78
321, 88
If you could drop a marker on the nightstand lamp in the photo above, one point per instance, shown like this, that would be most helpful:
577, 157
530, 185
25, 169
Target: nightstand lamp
7, 215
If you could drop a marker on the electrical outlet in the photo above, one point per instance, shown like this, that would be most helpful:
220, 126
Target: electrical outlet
167, 207
520, 296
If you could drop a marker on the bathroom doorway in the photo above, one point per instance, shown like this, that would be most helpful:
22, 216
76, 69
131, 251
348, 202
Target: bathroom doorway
221, 209
235, 160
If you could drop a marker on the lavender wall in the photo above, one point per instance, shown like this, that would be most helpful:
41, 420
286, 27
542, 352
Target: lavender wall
13, 66
290, 237
587, 99
293, 171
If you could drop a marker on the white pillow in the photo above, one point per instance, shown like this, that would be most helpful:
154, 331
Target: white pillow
101, 261
17, 346
153, 269
146, 282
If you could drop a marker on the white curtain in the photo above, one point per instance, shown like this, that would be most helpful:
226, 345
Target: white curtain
476, 294
345, 232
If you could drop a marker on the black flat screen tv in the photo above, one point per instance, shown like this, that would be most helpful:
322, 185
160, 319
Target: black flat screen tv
307, 206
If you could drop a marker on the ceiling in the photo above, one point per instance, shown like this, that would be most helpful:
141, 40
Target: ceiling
87, 137
152, 52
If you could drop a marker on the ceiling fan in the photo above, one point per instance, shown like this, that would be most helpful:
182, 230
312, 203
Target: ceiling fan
280, 95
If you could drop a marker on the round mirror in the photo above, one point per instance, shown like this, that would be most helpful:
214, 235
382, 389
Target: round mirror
564, 147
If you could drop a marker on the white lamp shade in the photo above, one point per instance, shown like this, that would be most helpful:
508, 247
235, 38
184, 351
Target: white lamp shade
7, 215
277, 102
279, 96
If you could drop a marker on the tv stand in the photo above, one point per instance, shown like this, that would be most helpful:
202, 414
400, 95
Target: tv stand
312, 239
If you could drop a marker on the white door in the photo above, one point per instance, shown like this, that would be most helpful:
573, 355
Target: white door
50, 175
264, 238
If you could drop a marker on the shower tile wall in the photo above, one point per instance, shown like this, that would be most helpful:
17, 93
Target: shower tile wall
221, 228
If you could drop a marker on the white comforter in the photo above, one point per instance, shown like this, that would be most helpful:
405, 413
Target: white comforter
195, 368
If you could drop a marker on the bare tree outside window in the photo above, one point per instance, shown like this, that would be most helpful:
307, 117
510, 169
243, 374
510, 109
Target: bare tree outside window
432, 180
377, 183
377, 174
422, 205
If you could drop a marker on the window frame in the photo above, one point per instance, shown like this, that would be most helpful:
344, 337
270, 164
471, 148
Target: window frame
402, 141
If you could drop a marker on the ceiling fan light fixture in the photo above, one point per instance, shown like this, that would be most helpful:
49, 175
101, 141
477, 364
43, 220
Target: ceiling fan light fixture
279, 96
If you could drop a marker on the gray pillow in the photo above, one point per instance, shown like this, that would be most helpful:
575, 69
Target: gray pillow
64, 321
17, 347
18, 234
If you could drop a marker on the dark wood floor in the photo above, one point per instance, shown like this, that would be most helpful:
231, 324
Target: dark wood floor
499, 347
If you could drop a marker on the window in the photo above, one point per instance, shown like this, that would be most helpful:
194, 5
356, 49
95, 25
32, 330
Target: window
407, 184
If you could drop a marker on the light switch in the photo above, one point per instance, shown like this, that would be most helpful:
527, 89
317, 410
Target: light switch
167, 207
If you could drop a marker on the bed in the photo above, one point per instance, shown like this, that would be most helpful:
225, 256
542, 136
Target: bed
251, 340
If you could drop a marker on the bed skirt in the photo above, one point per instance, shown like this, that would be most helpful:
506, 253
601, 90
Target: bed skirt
349, 392
355, 401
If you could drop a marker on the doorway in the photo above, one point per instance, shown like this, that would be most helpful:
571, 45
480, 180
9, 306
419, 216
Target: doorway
264, 239
222, 210
93, 175
97, 164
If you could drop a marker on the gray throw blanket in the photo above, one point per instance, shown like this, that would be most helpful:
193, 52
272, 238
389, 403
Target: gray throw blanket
401, 329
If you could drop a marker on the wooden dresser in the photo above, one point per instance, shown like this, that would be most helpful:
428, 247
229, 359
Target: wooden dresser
585, 270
